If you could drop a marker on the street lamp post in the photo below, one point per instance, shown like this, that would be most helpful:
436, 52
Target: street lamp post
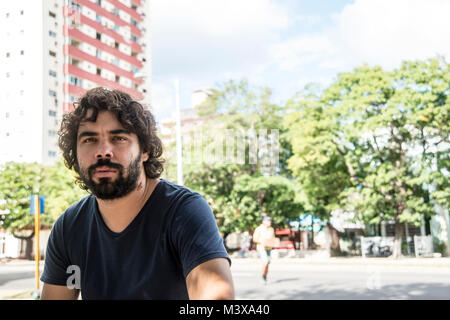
178, 134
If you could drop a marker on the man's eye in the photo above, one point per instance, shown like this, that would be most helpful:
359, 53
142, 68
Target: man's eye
119, 138
89, 140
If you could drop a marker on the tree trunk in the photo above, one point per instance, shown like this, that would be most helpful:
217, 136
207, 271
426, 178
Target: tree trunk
28, 244
398, 239
333, 246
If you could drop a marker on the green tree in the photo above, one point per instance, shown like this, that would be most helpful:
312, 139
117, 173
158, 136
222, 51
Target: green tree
237, 107
317, 165
255, 196
390, 129
18, 181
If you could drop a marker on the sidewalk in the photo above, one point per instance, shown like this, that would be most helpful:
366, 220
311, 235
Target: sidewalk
321, 257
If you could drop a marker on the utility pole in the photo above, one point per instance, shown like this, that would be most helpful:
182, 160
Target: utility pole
178, 134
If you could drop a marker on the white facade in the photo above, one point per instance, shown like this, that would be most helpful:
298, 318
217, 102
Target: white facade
30, 80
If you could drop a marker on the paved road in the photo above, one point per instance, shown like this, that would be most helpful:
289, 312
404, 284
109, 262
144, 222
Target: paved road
323, 280
301, 279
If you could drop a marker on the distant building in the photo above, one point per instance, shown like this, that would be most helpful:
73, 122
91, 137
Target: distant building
53, 51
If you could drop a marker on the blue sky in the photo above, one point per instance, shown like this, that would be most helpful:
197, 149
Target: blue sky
284, 44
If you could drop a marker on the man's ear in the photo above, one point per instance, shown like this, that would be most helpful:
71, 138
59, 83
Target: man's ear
145, 156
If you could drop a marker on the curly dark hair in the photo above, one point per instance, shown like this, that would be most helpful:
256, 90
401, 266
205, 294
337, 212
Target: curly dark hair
130, 113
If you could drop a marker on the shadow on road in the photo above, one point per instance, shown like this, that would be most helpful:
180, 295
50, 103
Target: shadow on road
285, 280
5, 278
413, 291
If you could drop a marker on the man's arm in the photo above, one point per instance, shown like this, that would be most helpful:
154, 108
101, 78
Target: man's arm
54, 292
211, 280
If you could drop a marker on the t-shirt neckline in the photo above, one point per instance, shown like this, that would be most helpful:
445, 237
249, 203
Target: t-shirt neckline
136, 219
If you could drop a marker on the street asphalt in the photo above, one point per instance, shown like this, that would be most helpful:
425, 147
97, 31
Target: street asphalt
301, 279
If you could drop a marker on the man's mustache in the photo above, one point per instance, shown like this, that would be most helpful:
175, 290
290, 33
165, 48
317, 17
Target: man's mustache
103, 163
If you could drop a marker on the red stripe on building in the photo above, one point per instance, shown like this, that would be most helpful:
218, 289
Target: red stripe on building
100, 45
131, 12
105, 30
111, 16
77, 53
73, 90
77, 72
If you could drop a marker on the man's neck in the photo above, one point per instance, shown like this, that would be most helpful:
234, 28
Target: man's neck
119, 213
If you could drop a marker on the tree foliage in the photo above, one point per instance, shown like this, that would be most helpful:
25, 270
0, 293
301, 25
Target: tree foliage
386, 133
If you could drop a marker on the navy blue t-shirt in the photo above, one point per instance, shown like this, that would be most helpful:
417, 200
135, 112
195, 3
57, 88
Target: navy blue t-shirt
173, 233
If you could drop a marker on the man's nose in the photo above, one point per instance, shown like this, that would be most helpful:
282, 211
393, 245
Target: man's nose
104, 151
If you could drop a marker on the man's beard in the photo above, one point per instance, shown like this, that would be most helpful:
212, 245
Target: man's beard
107, 188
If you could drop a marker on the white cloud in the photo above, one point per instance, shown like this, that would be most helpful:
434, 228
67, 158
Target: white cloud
218, 19
382, 32
297, 52
387, 32
213, 36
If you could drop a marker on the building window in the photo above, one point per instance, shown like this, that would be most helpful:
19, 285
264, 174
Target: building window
22, 52
98, 36
99, 71
52, 113
52, 34
51, 133
52, 73
75, 81
52, 93
7, 74
52, 154
52, 14
21, 12
52, 53
7, 54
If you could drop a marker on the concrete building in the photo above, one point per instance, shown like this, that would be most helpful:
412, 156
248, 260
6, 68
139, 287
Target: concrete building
52, 52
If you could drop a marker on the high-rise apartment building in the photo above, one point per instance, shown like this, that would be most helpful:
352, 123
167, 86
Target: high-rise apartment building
52, 51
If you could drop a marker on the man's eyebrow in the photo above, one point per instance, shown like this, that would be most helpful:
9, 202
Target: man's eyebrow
87, 134
119, 131
91, 133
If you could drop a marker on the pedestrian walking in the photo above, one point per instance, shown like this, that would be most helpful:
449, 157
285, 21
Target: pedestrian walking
136, 236
264, 237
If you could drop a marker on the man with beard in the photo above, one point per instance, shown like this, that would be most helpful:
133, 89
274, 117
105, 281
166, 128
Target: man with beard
136, 236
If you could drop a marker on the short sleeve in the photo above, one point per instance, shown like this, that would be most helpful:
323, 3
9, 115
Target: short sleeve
195, 234
56, 258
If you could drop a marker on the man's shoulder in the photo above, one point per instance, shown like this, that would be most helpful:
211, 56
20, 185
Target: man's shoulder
75, 211
172, 189
178, 194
